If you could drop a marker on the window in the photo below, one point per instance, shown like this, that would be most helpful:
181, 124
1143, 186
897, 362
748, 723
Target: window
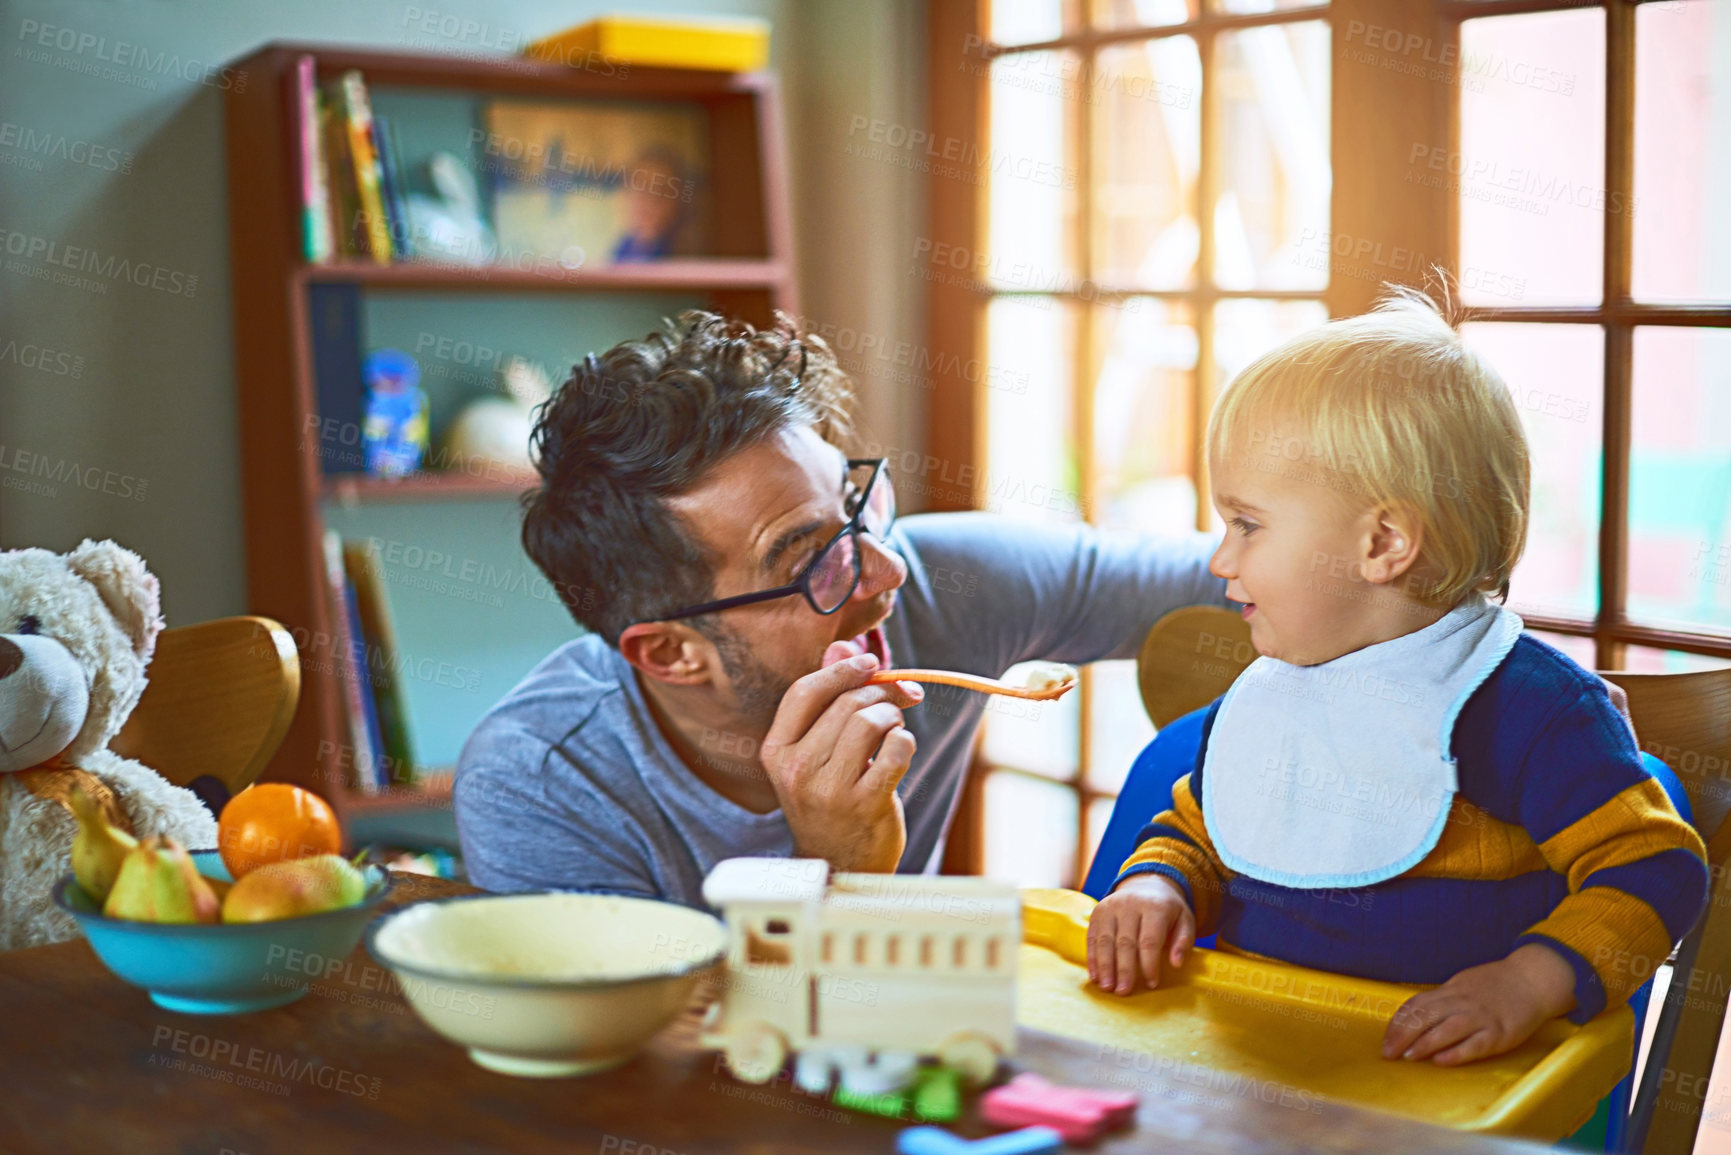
1601, 277
1157, 214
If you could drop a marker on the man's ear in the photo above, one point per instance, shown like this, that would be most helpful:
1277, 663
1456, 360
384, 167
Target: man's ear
1392, 549
668, 652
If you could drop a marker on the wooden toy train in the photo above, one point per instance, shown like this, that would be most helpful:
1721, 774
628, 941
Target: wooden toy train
861, 973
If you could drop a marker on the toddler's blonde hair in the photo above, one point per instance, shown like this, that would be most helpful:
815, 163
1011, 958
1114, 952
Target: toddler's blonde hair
1393, 410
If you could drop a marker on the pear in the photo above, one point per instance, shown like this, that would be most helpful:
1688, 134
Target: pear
158, 882
309, 885
98, 849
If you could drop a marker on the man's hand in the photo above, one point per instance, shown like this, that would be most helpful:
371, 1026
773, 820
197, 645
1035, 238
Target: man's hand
834, 755
1143, 920
1484, 1010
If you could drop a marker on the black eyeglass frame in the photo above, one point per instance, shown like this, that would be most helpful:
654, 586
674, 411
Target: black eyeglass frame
802, 583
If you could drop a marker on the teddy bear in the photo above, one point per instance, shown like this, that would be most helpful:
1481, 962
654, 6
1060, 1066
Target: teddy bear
76, 632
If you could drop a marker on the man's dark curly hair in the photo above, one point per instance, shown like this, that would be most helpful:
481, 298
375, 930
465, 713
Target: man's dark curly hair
647, 421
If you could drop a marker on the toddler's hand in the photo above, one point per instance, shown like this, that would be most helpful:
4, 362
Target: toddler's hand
1484, 1010
1143, 919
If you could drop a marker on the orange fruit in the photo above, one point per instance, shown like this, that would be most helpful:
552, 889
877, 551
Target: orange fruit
273, 822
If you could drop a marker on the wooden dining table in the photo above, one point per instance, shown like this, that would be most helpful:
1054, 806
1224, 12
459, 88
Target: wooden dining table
90, 1064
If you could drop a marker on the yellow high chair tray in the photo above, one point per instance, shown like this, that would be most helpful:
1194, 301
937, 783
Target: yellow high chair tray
1225, 1024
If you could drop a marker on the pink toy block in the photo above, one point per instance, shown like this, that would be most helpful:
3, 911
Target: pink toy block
1080, 1114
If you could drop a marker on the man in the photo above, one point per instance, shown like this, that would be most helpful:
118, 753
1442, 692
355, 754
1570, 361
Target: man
742, 579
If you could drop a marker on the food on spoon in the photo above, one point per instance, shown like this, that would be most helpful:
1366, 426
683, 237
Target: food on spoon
1048, 675
1054, 682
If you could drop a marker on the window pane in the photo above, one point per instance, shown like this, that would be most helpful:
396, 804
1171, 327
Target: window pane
1033, 21
1680, 477
1142, 13
1030, 831
1580, 649
1143, 404
1245, 330
1148, 147
1039, 737
1118, 726
1031, 466
1274, 160
1682, 150
1556, 375
1031, 169
1252, 6
1530, 174
1647, 660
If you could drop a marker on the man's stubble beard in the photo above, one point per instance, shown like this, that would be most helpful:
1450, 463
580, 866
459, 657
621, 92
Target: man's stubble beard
757, 688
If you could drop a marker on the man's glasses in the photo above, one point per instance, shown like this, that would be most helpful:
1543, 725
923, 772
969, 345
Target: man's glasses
832, 576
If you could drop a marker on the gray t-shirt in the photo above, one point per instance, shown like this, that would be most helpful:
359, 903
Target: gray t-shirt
568, 784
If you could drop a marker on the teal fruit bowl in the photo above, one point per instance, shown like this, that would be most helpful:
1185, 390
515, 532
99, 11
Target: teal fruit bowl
224, 969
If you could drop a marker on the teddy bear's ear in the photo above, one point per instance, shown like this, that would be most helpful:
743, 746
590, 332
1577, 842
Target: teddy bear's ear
130, 591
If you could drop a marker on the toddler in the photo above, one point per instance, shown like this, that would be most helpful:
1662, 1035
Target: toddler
1404, 786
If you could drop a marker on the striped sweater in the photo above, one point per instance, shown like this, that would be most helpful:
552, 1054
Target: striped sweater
1556, 835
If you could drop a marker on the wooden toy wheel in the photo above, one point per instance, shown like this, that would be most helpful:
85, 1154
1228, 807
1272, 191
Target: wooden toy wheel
972, 1054
755, 1053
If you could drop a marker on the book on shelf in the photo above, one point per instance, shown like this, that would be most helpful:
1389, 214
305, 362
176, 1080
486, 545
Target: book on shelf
372, 768
367, 576
364, 159
344, 195
348, 655
314, 170
395, 194
353, 202
333, 432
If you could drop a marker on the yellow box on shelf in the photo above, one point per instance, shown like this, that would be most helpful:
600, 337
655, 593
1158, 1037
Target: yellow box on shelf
1227, 1024
733, 44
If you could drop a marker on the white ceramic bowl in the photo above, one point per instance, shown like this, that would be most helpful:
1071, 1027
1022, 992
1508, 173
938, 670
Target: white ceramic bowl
547, 985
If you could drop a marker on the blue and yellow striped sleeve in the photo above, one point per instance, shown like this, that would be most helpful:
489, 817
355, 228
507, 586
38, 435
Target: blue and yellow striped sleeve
1176, 845
1637, 873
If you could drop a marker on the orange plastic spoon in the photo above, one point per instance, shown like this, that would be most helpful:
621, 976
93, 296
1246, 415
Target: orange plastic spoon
975, 682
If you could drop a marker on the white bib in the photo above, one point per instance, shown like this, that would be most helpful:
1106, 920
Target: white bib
1341, 774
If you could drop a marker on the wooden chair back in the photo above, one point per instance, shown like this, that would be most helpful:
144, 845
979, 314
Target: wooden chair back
1188, 659
1685, 721
220, 698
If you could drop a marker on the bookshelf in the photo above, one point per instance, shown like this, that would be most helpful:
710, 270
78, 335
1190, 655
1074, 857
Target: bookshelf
353, 489
288, 498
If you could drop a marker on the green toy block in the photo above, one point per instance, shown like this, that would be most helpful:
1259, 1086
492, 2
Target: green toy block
891, 1105
935, 1096
938, 1095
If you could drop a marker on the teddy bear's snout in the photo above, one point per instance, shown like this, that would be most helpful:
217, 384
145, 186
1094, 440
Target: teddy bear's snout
44, 699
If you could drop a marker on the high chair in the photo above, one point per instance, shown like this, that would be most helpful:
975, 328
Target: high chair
1192, 655
1685, 721
220, 698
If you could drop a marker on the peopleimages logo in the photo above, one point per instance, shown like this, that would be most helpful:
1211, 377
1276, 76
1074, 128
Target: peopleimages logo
79, 259
34, 36
30, 146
